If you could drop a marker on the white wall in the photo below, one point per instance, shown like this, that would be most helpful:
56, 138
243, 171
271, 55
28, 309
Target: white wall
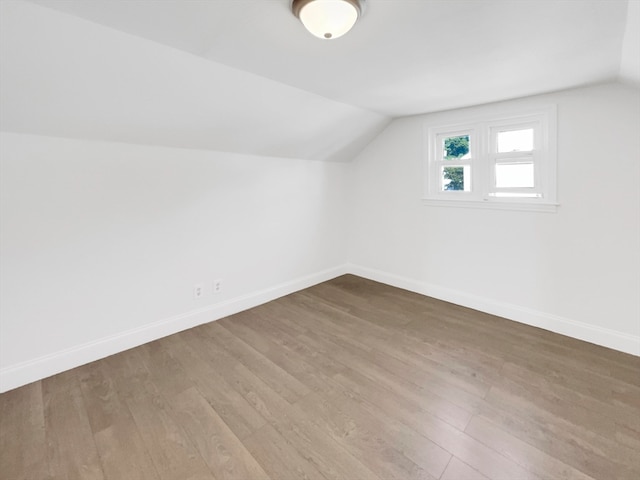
576, 271
101, 243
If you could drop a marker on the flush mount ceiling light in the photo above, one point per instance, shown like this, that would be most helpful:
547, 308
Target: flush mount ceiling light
327, 19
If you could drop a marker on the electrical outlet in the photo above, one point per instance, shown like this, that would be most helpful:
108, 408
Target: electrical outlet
198, 290
217, 286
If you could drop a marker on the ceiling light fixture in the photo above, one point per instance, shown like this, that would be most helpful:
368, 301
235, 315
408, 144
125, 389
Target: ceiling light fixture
327, 19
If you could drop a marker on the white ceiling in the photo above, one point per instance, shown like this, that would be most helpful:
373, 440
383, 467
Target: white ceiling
244, 75
64, 76
404, 56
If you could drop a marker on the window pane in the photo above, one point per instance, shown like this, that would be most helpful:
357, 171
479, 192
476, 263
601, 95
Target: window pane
514, 175
456, 178
454, 148
515, 141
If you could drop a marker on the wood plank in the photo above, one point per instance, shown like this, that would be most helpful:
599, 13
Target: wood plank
299, 429
22, 434
282, 351
278, 457
71, 449
448, 408
121, 449
574, 445
223, 452
554, 393
372, 307
192, 351
345, 332
172, 452
528, 457
347, 379
437, 363
287, 386
123, 454
391, 448
473, 452
458, 470
168, 374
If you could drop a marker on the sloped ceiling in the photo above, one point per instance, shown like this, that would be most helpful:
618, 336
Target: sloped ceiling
244, 75
63, 76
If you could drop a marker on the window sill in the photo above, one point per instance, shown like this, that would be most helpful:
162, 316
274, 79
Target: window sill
493, 205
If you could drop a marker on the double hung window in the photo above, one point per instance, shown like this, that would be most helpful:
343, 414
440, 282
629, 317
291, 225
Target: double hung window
501, 162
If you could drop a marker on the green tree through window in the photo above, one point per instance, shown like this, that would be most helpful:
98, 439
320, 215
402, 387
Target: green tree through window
455, 175
455, 147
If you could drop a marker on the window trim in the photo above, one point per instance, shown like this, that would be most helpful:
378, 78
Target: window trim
483, 137
439, 163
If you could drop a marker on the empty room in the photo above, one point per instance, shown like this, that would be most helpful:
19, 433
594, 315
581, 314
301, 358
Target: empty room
320, 239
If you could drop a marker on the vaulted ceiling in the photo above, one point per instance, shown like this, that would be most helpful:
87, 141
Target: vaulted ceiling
244, 76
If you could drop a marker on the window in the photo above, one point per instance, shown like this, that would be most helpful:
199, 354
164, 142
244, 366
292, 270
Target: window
498, 162
453, 162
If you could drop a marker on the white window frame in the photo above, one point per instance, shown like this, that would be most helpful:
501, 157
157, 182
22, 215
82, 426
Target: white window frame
438, 163
484, 156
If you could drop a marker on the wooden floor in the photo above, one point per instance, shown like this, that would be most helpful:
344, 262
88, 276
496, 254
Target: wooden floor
349, 380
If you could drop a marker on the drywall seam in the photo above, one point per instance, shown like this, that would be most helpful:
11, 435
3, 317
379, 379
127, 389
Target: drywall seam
572, 328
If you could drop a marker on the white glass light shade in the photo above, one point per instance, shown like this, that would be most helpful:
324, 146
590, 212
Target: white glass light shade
329, 19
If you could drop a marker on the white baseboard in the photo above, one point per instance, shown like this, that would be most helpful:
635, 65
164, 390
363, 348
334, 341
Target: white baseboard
572, 328
23, 373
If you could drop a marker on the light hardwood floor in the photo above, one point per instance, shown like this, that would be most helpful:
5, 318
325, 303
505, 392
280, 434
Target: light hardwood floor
349, 380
